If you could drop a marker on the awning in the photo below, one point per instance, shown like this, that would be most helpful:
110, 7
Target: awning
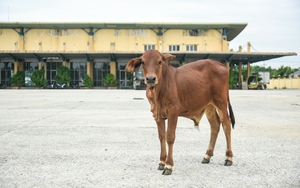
231, 57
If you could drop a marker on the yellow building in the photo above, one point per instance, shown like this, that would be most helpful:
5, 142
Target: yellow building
97, 49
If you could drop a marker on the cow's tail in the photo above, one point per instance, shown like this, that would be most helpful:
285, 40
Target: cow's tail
231, 113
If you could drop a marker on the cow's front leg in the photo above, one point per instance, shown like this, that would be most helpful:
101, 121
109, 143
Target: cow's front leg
161, 127
170, 137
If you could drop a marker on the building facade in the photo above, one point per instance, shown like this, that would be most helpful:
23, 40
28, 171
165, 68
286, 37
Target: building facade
97, 49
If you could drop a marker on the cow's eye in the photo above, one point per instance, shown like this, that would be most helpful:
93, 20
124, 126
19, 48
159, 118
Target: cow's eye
142, 63
159, 62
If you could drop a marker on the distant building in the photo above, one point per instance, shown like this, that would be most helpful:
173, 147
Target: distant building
295, 74
97, 49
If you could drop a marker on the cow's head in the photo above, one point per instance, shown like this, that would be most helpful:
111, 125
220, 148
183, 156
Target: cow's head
153, 63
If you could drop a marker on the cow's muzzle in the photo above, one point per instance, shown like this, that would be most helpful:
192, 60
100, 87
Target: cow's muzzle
151, 80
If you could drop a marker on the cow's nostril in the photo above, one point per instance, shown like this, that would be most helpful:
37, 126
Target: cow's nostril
151, 79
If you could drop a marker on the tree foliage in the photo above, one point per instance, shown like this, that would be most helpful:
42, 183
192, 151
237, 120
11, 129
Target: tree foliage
63, 75
282, 71
38, 78
18, 79
110, 81
87, 81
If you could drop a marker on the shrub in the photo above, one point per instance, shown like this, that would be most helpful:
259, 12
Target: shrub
63, 75
18, 79
110, 81
87, 81
38, 78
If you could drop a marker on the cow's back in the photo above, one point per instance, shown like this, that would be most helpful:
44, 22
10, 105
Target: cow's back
199, 82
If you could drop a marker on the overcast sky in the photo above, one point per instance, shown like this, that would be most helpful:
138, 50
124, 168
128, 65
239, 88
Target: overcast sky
273, 26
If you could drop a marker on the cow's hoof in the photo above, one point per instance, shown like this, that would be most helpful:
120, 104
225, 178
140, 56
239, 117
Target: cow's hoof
161, 166
205, 161
227, 163
167, 171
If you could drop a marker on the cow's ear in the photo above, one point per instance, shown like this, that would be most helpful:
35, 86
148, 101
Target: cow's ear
133, 65
168, 57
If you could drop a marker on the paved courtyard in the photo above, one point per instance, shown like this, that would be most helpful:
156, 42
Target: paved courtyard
108, 138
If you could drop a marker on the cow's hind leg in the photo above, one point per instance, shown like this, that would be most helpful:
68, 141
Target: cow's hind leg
161, 127
214, 122
227, 131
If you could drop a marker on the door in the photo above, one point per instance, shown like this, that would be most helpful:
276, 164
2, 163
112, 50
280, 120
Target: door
125, 78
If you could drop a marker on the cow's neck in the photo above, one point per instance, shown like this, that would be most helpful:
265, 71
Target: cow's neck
163, 93
166, 86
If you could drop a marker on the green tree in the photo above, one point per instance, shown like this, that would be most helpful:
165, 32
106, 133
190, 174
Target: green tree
63, 75
284, 71
38, 78
110, 81
18, 79
130, 78
87, 81
232, 81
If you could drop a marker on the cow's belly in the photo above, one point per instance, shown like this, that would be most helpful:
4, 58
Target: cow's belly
195, 115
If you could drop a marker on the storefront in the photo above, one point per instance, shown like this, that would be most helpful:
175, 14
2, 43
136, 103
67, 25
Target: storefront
125, 78
100, 70
30, 67
7, 71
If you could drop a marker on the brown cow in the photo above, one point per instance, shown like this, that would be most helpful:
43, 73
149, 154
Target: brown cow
189, 91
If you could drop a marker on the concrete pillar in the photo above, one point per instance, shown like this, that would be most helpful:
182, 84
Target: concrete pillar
16, 67
45, 68
67, 64
230, 68
40, 65
90, 70
248, 64
240, 48
226, 64
21, 65
248, 69
113, 68
240, 73
248, 47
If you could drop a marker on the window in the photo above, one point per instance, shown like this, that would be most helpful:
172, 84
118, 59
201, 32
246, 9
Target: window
174, 48
55, 32
139, 32
149, 47
29, 69
78, 70
191, 48
100, 70
7, 71
51, 70
66, 32
197, 32
70, 32
117, 32
112, 46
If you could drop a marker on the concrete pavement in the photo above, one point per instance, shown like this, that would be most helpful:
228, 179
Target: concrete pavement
108, 138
